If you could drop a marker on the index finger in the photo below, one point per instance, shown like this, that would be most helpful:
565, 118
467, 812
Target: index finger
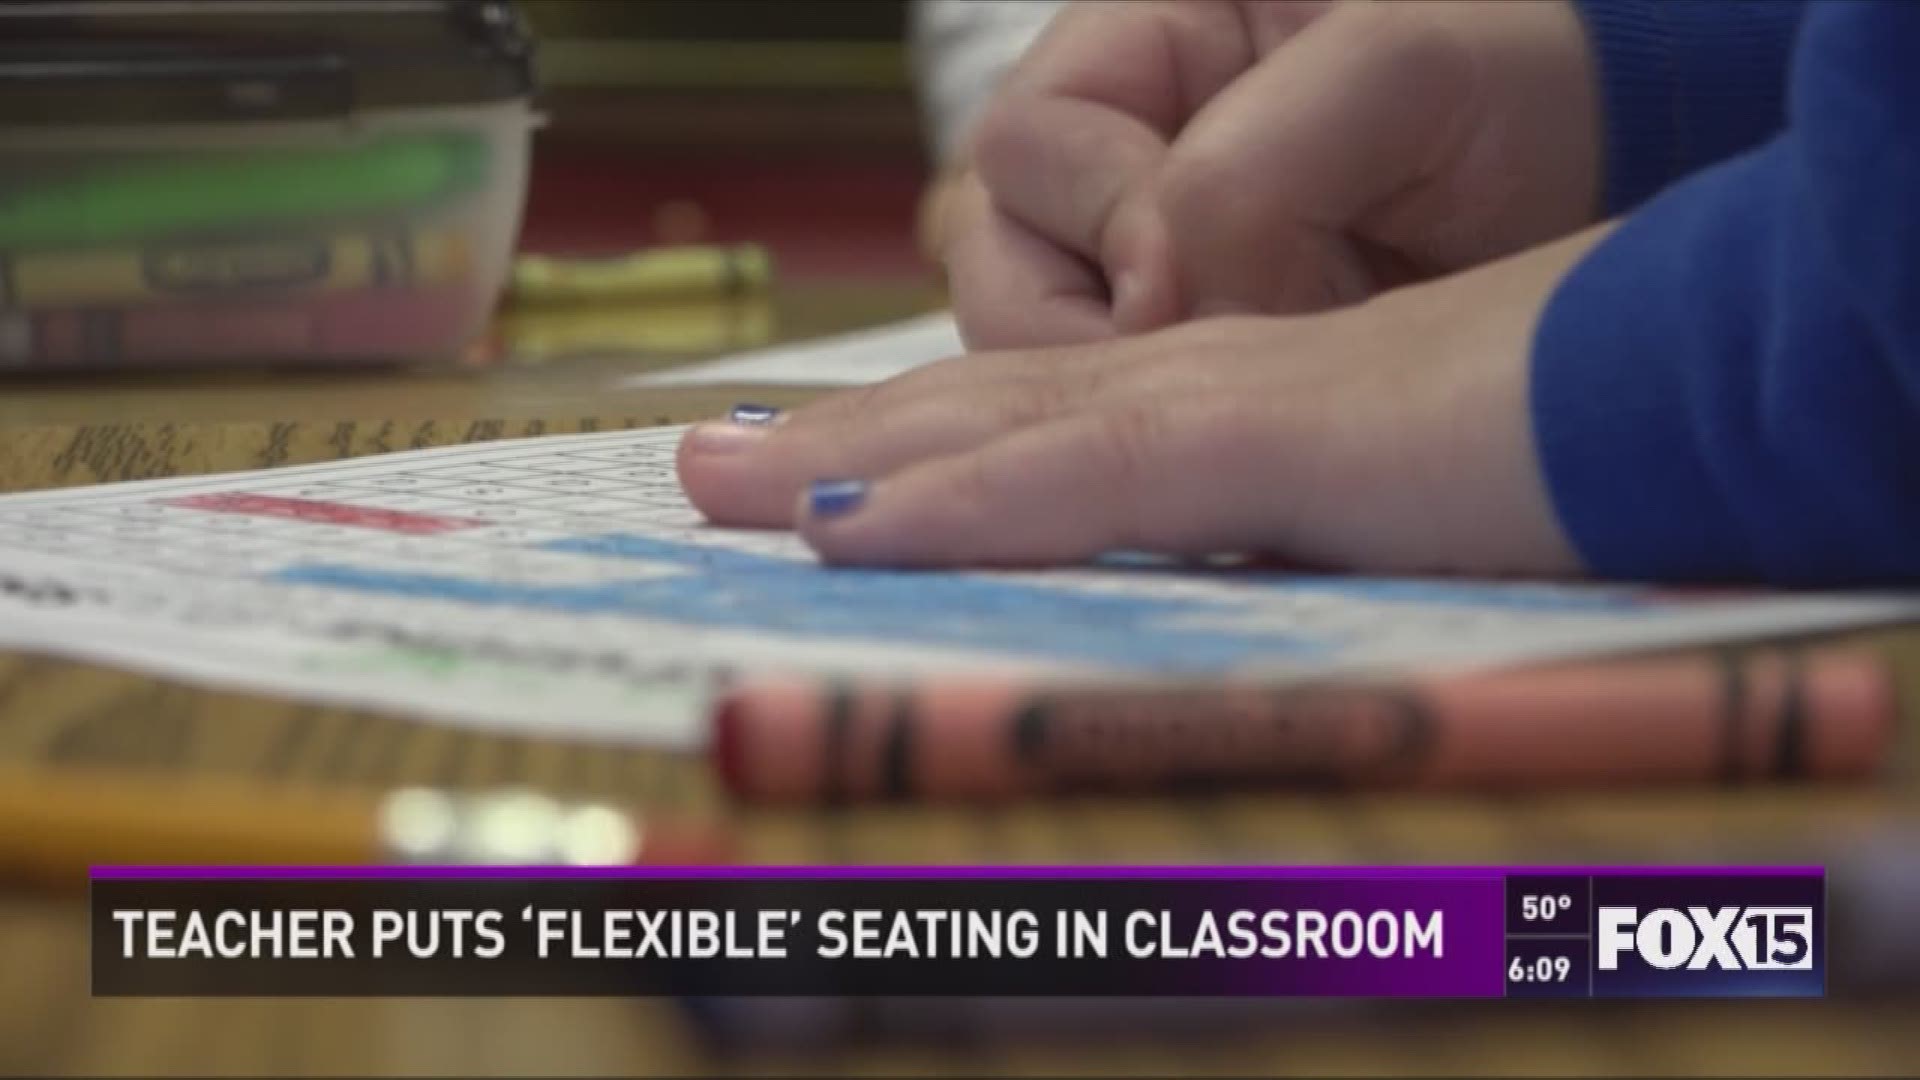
1083, 124
1072, 143
1013, 289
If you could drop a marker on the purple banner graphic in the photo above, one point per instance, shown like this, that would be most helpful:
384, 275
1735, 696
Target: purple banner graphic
1009, 871
1374, 932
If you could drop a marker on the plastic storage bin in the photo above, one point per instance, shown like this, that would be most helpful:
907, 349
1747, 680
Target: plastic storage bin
185, 184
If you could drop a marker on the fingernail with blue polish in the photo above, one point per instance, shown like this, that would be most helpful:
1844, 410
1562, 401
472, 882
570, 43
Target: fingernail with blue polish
835, 498
748, 413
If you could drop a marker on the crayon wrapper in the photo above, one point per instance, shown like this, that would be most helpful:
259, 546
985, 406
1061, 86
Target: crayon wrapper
532, 336
269, 267
663, 273
1690, 719
369, 325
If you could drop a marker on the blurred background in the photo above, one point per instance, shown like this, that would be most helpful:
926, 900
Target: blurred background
790, 123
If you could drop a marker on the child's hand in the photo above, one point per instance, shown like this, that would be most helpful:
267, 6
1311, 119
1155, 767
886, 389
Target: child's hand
1152, 162
1391, 436
936, 208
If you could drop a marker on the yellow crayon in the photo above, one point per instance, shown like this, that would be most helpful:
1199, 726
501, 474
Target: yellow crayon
660, 273
540, 335
225, 269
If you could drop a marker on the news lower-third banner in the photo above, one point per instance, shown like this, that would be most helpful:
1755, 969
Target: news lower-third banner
1375, 932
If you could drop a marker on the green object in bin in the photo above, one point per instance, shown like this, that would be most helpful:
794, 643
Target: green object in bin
225, 190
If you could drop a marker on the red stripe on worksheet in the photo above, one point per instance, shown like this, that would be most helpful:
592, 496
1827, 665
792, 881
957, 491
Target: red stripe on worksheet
325, 513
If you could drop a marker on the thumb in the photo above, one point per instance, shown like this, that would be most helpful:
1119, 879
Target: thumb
1273, 185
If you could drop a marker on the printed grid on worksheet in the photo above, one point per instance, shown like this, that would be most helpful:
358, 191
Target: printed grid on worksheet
572, 537
446, 510
578, 525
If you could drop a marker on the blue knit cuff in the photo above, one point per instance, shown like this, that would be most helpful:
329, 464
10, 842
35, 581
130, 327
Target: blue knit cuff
1685, 84
1615, 420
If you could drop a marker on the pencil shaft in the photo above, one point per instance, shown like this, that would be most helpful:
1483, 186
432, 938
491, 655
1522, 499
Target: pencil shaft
55, 824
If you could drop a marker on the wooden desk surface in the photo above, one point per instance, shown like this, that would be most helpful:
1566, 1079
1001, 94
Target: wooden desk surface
91, 430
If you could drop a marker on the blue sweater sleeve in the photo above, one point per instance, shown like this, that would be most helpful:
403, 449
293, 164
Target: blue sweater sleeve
1685, 84
1728, 386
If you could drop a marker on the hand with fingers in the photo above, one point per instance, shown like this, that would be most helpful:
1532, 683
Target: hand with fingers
1322, 281
1151, 189
1154, 161
1391, 436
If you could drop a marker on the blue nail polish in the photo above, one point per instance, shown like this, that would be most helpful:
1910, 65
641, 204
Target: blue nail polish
748, 413
836, 498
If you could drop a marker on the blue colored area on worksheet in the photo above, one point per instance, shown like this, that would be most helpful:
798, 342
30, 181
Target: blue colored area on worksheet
731, 590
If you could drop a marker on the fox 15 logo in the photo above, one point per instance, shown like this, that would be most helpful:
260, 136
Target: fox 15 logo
1709, 936
1699, 938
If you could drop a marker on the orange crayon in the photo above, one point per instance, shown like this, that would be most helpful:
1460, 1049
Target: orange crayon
1734, 717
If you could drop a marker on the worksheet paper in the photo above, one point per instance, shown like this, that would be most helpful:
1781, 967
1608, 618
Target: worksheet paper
853, 359
563, 586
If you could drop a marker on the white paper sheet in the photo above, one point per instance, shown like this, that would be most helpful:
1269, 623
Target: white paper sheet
854, 359
563, 586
